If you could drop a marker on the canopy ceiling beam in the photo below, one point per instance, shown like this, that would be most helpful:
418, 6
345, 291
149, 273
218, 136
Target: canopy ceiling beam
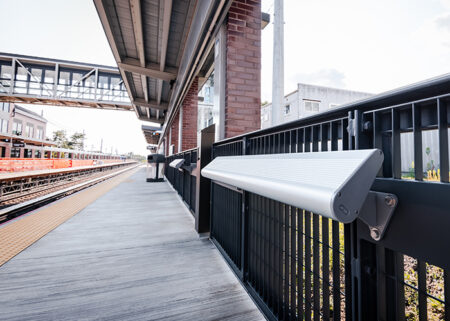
164, 41
151, 119
138, 36
147, 71
150, 104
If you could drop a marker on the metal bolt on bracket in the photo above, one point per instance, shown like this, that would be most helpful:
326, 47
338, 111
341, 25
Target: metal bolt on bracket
390, 201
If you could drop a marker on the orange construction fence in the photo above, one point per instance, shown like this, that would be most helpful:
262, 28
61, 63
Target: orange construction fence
34, 164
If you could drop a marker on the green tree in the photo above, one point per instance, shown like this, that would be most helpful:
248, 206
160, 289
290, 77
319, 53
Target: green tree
60, 138
77, 141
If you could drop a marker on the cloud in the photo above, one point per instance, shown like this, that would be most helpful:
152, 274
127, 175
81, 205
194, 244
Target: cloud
324, 77
445, 3
443, 22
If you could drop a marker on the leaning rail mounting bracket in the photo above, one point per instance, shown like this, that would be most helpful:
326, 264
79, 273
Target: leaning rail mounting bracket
377, 211
177, 163
189, 167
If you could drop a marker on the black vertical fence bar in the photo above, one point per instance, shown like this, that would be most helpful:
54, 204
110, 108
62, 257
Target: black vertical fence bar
300, 135
256, 243
417, 136
280, 259
267, 249
344, 134
273, 275
376, 131
377, 135
336, 272
400, 288
307, 139
326, 268
272, 144
334, 136
286, 261
277, 213
350, 136
349, 231
308, 266
300, 263
262, 249
251, 243
287, 142
443, 140
316, 267
293, 141
422, 285
324, 137
396, 146
280, 143
259, 288
315, 138
381, 282
294, 269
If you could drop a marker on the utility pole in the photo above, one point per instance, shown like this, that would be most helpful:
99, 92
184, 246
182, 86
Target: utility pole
278, 62
101, 146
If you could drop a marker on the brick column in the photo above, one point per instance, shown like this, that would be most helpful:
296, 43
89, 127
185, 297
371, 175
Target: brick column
243, 68
174, 126
190, 111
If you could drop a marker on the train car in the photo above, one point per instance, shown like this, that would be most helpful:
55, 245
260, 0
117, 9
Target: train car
54, 158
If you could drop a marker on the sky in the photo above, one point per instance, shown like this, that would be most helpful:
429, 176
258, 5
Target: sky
371, 46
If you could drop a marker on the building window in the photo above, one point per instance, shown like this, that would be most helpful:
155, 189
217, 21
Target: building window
287, 109
28, 153
17, 128
311, 105
4, 107
29, 130
3, 125
15, 152
40, 133
333, 105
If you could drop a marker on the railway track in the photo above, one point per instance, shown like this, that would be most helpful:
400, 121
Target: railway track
22, 203
39, 190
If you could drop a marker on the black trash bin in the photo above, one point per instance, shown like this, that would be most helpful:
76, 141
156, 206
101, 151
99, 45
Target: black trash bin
155, 167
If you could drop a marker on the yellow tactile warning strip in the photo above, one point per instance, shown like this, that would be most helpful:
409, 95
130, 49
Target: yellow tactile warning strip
18, 235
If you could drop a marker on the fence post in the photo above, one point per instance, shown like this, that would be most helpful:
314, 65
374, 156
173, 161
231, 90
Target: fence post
203, 186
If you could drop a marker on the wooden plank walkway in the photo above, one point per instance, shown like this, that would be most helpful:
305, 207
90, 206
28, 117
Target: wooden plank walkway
131, 255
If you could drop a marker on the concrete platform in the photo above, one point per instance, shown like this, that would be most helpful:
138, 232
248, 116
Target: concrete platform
131, 255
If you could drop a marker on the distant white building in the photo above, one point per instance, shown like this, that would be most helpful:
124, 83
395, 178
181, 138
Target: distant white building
308, 100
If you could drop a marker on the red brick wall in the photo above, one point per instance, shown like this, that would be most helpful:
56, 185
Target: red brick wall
190, 111
243, 79
175, 125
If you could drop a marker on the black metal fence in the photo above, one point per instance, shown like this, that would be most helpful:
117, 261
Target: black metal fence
299, 265
182, 179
